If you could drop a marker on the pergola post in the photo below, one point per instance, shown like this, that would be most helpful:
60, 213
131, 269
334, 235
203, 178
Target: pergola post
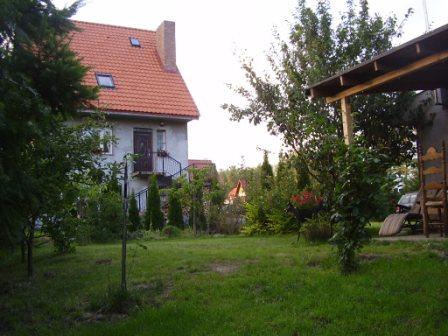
347, 120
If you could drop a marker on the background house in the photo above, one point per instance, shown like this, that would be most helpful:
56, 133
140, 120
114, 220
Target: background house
143, 94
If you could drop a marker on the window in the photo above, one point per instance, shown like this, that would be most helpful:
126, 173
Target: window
161, 140
106, 141
105, 81
135, 42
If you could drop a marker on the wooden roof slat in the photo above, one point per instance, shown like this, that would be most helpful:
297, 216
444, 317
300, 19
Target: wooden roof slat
391, 75
433, 42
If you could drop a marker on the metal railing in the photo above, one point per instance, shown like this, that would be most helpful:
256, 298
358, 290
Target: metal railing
157, 162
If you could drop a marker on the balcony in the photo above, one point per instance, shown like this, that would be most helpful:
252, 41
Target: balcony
159, 163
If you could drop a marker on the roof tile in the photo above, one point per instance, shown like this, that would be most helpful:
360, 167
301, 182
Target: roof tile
141, 83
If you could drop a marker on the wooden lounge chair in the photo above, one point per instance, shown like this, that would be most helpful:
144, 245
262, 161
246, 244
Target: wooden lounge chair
394, 223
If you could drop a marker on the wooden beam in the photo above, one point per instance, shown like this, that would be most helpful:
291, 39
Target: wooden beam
345, 81
390, 76
316, 93
347, 120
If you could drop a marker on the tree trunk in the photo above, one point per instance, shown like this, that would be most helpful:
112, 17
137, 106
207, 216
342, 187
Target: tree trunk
30, 243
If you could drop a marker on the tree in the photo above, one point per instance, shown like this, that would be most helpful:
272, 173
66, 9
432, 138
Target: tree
134, 216
41, 86
267, 173
155, 211
175, 216
317, 49
362, 175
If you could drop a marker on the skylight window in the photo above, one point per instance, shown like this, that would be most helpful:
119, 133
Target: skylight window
105, 81
135, 42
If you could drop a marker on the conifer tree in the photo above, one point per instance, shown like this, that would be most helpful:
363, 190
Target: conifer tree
154, 206
134, 216
267, 173
175, 217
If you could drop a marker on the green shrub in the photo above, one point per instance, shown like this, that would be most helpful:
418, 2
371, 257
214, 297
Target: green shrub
115, 300
105, 215
134, 216
83, 232
361, 172
171, 231
153, 209
256, 218
62, 232
317, 228
175, 217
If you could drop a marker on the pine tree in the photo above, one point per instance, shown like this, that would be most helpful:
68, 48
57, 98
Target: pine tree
134, 216
154, 206
175, 217
266, 172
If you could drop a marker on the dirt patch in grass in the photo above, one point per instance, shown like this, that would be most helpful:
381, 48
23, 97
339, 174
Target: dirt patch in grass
225, 268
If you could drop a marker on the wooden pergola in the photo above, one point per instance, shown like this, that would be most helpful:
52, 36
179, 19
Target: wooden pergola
420, 64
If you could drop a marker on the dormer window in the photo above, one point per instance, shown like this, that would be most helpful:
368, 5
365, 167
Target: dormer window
135, 42
105, 81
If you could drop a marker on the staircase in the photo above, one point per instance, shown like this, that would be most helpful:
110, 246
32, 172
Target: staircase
164, 180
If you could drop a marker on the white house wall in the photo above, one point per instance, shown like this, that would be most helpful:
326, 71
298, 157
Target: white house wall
123, 132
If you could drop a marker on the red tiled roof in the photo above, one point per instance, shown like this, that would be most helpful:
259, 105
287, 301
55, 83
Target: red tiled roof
199, 164
141, 83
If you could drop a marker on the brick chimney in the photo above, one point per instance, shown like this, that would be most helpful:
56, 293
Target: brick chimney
166, 45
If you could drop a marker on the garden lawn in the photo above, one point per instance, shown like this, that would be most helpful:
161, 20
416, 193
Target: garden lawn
231, 286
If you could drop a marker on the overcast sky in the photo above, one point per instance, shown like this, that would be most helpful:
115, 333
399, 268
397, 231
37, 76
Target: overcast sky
210, 36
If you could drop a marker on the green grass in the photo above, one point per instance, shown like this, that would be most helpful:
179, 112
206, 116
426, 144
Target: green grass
273, 287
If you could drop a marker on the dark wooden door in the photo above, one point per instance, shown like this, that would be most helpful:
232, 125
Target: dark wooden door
143, 147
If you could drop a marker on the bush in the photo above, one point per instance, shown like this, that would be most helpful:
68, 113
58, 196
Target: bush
257, 220
134, 216
154, 212
83, 232
175, 216
317, 228
62, 232
105, 215
115, 300
361, 172
171, 231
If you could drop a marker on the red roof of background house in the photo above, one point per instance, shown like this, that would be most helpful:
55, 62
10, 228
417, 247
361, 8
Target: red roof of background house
141, 83
199, 164
235, 192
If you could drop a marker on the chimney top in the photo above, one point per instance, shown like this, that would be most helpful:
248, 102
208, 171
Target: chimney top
166, 45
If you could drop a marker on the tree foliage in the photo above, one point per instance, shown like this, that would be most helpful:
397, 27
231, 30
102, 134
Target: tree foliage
362, 176
267, 172
133, 216
318, 48
41, 86
175, 217
154, 206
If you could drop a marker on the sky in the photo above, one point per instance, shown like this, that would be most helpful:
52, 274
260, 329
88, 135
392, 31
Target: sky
211, 36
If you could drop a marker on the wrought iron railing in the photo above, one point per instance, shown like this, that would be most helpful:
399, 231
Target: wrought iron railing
157, 162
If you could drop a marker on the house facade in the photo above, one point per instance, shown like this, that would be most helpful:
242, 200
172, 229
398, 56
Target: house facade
145, 99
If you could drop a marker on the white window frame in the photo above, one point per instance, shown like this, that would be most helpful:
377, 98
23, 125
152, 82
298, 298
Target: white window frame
102, 133
158, 149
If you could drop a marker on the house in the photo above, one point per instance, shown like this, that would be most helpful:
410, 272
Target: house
238, 192
143, 95
200, 164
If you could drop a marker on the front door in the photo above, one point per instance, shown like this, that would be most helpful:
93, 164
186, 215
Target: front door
143, 147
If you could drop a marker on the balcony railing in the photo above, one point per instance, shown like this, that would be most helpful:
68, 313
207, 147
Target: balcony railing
160, 163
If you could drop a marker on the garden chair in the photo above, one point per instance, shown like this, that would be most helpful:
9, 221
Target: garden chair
432, 169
